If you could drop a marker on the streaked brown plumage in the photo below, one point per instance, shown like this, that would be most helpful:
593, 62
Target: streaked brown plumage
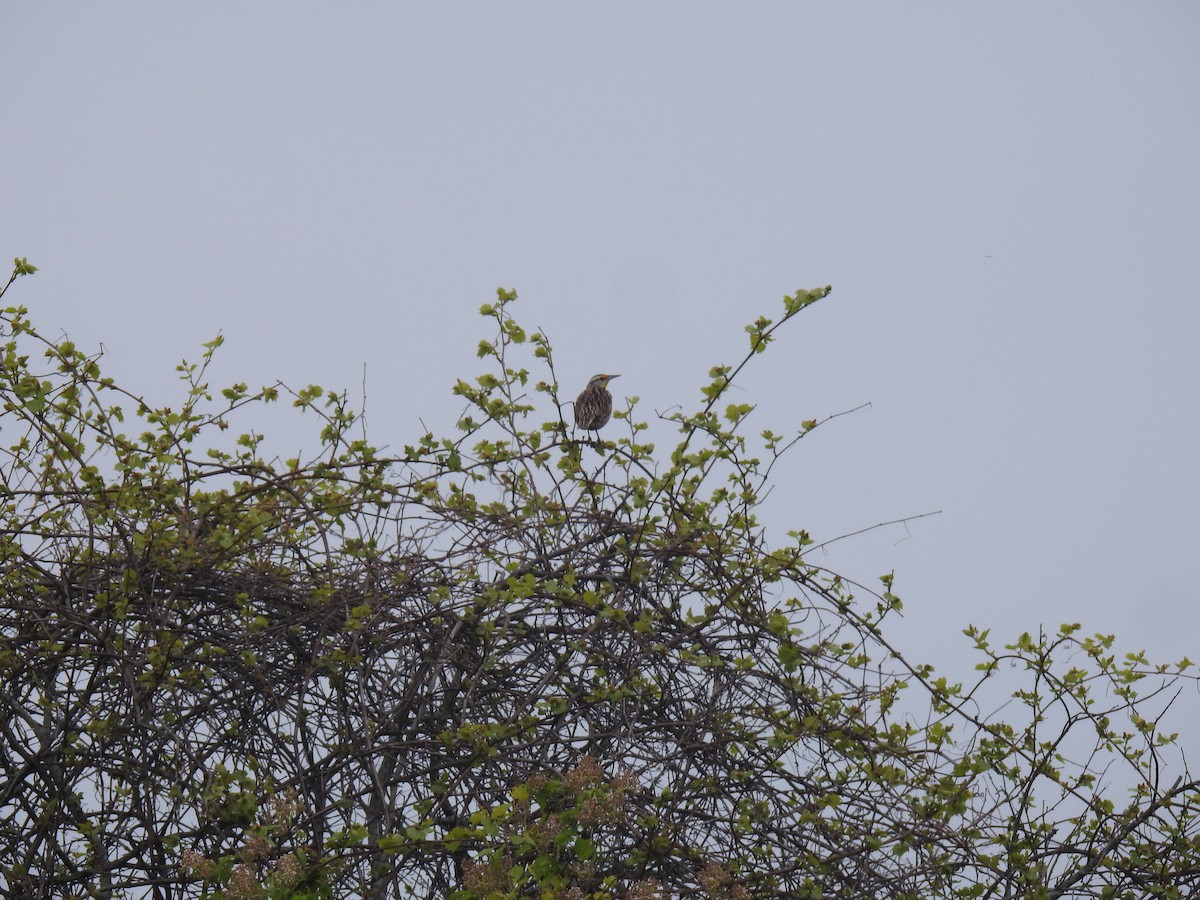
594, 405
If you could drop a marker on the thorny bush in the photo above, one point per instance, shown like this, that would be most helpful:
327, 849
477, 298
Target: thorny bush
508, 663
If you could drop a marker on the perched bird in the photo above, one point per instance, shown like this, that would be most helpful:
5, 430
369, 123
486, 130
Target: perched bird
594, 405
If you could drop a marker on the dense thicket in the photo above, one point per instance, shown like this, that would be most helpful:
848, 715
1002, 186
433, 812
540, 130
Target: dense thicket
509, 662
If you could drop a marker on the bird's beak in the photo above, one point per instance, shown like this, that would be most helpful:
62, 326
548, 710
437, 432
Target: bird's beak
611, 377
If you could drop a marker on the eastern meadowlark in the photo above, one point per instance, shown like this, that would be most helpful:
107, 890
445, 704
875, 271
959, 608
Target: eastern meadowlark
594, 404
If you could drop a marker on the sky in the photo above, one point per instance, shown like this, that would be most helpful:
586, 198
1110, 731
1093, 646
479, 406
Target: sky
1004, 197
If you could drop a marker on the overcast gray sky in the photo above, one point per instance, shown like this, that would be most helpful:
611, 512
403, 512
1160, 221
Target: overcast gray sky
1005, 199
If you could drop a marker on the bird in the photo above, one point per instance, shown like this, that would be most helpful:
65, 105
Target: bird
593, 406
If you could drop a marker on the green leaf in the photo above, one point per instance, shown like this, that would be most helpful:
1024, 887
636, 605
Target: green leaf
584, 848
